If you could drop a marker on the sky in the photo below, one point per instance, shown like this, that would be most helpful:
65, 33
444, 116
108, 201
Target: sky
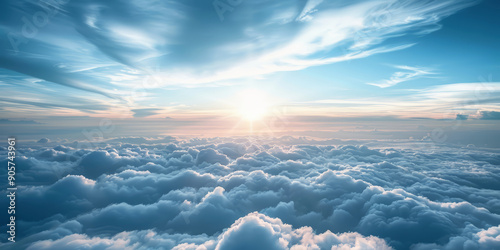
250, 124
368, 69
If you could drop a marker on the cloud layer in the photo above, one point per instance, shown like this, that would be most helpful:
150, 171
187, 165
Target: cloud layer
238, 193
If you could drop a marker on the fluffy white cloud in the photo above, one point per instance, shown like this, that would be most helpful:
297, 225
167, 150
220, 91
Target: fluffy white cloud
254, 231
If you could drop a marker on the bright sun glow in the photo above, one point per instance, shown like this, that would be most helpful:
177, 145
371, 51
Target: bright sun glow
252, 104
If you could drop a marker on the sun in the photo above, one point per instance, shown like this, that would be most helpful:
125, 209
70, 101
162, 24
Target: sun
252, 104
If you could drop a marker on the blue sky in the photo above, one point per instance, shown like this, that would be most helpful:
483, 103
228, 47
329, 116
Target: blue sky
69, 64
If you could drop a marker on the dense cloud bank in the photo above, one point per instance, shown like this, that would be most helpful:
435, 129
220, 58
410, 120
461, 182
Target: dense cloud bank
242, 193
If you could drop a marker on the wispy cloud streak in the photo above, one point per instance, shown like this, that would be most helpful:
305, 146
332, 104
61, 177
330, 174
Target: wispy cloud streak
409, 73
